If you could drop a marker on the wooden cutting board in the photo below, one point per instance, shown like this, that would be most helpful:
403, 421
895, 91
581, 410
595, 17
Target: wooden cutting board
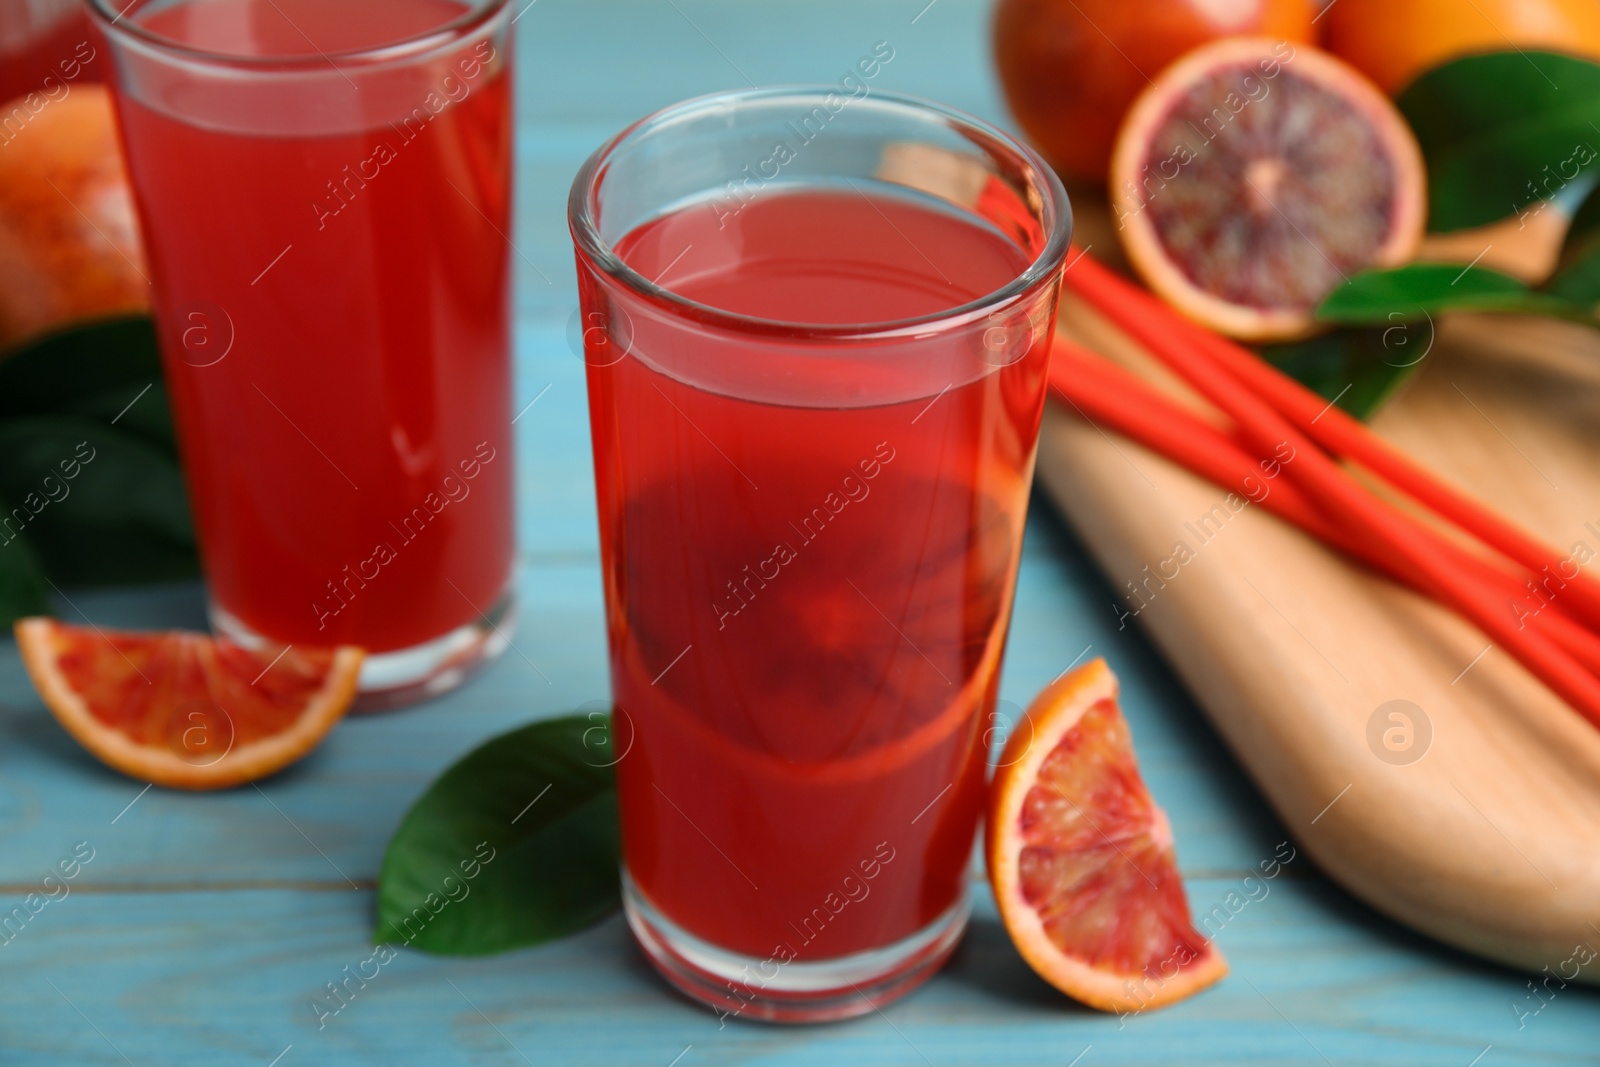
1481, 825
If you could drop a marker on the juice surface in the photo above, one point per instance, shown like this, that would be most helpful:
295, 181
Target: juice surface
297, 27
807, 604
333, 318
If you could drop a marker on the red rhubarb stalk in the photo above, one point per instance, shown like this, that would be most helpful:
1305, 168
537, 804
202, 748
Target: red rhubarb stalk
1169, 335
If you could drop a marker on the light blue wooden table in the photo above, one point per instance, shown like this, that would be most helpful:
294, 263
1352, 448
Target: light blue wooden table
204, 925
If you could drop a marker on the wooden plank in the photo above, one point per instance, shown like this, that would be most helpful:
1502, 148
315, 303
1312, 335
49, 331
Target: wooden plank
556, 518
205, 978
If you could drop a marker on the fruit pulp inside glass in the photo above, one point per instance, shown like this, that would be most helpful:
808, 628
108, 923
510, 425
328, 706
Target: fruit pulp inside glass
806, 603
333, 316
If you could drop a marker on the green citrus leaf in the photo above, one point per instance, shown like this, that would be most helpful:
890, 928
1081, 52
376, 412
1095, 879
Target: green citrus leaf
1502, 132
1421, 290
108, 370
1577, 276
1359, 369
99, 506
23, 590
513, 845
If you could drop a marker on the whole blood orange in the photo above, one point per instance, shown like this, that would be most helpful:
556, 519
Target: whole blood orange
69, 239
1081, 859
185, 710
1070, 68
1392, 43
1252, 177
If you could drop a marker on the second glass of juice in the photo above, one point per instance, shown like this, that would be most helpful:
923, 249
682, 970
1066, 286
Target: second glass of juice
817, 323
325, 194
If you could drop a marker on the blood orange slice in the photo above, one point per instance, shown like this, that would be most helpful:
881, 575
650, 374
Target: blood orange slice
1081, 859
185, 710
1253, 177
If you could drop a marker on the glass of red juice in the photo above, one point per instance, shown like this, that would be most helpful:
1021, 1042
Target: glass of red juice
817, 324
325, 193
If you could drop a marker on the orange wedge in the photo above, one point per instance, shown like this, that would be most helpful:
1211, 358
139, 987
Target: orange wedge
185, 710
1081, 859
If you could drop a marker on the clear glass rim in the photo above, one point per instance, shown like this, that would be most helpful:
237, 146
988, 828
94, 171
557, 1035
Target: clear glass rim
583, 222
110, 19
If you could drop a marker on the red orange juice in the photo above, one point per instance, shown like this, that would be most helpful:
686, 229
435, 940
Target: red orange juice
836, 581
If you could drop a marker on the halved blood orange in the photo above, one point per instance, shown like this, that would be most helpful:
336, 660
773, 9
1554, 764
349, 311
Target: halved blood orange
185, 710
1081, 859
1252, 177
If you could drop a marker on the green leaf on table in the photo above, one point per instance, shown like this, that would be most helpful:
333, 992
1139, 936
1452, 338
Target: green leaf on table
513, 845
1419, 291
109, 370
1577, 276
1502, 132
23, 589
99, 506
1358, 369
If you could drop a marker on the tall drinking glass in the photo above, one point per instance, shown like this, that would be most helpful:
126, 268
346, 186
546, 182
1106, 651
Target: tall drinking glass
817, 325
325, 192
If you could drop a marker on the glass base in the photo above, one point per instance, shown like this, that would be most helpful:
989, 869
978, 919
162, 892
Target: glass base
737, 986
408, 676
